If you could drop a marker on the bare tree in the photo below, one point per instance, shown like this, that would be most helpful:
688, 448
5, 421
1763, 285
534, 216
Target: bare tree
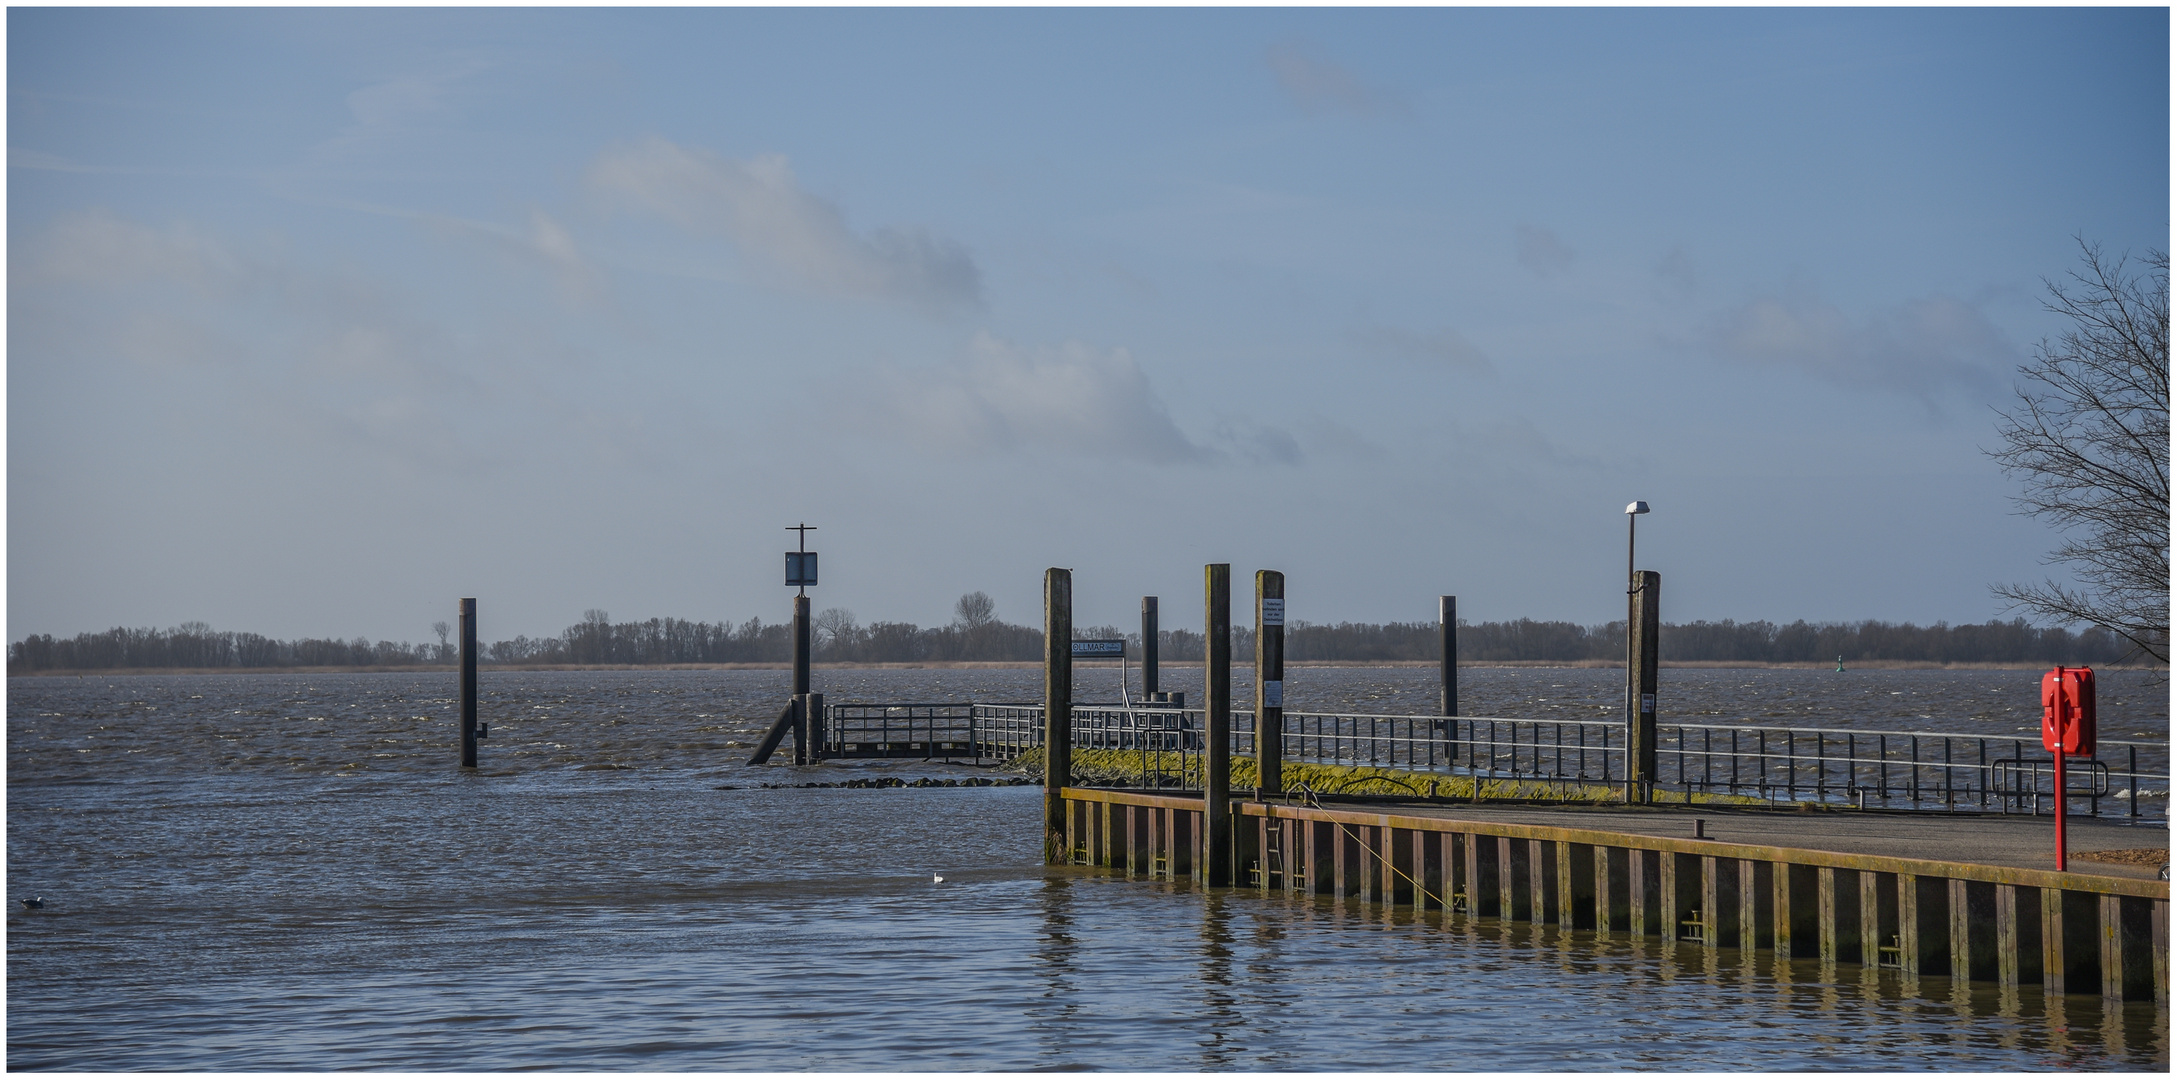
835, 628
2089, 441
443, 629
974, 610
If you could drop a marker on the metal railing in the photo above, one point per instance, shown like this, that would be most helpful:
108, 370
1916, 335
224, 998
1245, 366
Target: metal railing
1899, 769
1915, 769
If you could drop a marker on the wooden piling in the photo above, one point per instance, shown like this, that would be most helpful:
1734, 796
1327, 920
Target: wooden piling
1959, 910
1644, 623
1538, 876
1711, 902
1567, 891
1507, 903
1603, 921
1870, 907
468, 682
2052, 941
1672, 907
1749, 908
1057, 707
1269, 682
1149, 648
802, 755
1636, 891
1217, 722
1781, 909
812, 719
2112, 947
1448, 662
2007, 976
2158, 951
1825, 918
1908, 929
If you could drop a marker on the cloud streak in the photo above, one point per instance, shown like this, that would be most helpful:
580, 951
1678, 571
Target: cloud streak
1071, 400
1447, 347
1920, 348
1542, 252
1320, 86
759, 206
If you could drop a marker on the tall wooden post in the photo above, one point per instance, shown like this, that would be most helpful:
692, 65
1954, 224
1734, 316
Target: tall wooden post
1217, 723
802, 748
1057, 708
1644, 622
468, 682
1448, 666
1269, 683
1149, 648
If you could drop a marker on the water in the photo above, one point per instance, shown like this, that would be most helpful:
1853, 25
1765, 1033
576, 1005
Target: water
286, 872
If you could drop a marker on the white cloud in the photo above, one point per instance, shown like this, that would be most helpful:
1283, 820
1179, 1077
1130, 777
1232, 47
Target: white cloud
759, 206
1542, 252
1318, 85
1920, 347
1072, 400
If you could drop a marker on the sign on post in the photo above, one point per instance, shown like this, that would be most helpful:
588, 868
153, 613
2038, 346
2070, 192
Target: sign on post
800, 568
1100, 649
2067, 730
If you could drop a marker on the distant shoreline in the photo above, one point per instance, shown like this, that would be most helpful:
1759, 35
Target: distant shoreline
1031, 665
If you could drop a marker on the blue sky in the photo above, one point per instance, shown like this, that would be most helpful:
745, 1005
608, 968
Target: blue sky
319, 320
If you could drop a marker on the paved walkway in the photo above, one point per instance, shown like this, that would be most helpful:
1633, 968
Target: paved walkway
1990, 840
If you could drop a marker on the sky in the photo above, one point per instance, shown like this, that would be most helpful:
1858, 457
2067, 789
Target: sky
319, 320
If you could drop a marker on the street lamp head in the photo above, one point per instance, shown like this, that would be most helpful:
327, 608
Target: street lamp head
1636, 507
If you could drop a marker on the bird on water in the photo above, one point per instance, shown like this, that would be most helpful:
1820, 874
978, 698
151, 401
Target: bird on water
33, 903
937, 879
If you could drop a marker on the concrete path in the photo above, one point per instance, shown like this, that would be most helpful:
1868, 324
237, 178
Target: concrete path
1989, 840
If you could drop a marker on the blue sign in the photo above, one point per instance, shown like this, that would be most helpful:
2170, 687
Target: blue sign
800, 568
1099, 649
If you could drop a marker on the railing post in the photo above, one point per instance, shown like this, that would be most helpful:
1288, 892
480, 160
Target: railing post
1057, 708
1269, 682
1217, 723
468, 682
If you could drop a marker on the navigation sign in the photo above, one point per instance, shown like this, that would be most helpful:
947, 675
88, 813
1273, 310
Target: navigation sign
1100, 649
801, 568
801, 565
1273, 611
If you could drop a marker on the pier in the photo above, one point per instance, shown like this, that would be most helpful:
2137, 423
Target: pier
1880, 890
1927, 853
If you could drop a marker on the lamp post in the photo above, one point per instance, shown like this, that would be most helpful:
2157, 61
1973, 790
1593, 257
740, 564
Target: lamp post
1633, 510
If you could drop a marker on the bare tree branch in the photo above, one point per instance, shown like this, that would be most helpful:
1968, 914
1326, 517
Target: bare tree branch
2089, 443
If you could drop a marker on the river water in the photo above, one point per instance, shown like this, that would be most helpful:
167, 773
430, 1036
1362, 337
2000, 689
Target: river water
249, 872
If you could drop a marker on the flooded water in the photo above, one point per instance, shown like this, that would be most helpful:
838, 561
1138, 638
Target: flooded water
287, 872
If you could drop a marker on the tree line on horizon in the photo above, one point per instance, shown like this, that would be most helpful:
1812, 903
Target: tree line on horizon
976, 635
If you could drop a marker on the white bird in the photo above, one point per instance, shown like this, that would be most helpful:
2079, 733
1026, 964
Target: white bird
938, 878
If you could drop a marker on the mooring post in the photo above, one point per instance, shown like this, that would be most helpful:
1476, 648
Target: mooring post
1644, 623
1448, 666
1217, 722
1269, 683
801, 680
468, 682
1057, 708
1148, 648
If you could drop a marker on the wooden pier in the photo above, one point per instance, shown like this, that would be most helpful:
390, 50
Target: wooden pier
2010, 925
